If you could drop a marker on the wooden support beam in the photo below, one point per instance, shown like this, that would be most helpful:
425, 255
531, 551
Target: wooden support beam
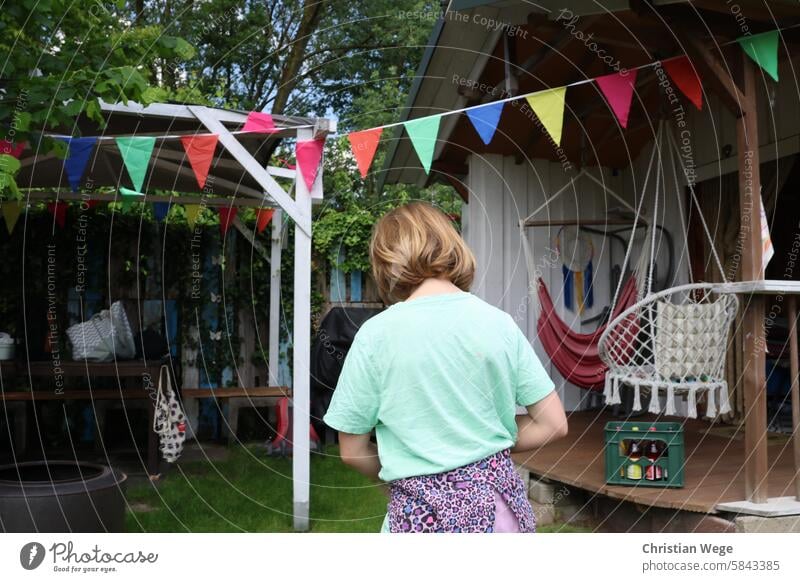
728, 91
208, 118
754, 374
794, 364
215, 202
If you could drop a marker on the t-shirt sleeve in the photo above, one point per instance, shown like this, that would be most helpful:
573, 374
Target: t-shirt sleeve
355, 402
533, 383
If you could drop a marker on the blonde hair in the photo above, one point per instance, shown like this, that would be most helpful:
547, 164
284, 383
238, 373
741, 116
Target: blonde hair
413, 243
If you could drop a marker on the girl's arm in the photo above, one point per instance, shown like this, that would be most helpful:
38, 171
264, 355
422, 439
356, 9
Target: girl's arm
358, 451
544, 423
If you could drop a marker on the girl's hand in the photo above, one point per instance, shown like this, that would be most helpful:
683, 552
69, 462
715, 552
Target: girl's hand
544, 423
358, 451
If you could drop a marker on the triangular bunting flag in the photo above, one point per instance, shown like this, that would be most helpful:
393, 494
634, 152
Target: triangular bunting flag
12, 149
423, 133
485, 119
192, 213
264, 216
548, 106
59, 212
200, 151
763, 49
226, 216
129, 196
364, 145
160, 210
11, 212
682, 73
80, 148
259, 122
618, 91
136, 153
309, 155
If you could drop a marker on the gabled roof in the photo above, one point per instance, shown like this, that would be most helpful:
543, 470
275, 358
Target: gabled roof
544, 45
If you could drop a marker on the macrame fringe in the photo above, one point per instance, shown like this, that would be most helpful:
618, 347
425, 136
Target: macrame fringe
607, 389
711, 406
692, 412
655, 402
670, 401
724, 401
637, 397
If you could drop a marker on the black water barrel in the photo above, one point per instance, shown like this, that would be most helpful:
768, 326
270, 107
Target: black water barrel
61, 496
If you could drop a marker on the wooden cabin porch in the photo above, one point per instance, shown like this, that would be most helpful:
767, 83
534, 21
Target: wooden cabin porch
714, 468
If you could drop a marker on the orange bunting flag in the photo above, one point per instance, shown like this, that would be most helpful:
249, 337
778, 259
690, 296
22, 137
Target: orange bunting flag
263, 218
200, 151
682, 73
364, 145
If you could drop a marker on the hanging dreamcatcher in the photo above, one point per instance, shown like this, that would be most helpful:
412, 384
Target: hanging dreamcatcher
577, 252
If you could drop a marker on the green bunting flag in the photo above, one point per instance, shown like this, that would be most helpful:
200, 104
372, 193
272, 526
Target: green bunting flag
423, 132
129, 196
763, 49
136, 153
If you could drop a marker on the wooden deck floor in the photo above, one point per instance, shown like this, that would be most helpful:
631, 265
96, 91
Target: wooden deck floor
713, 472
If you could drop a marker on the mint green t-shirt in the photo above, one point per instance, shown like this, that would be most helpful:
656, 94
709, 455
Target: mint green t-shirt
439, 378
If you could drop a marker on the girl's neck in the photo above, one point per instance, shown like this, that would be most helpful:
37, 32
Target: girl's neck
433, 286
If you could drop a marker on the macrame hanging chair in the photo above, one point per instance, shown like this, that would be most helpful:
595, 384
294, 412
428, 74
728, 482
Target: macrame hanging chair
674, 340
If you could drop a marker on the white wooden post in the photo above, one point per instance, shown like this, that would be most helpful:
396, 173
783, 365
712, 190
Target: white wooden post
301, 461
275, 297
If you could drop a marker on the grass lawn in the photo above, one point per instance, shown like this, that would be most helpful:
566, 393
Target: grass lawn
250, 492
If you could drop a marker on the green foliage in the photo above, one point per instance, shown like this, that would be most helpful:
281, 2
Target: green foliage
61, 58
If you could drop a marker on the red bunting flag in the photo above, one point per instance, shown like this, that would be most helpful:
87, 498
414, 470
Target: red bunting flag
226, 216
618, 91
11, 148
259, 122
264, 216
200, 151
682, 73
364, 145
59, 212
309, 155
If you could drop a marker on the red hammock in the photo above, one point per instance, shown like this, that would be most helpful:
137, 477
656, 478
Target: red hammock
574, 354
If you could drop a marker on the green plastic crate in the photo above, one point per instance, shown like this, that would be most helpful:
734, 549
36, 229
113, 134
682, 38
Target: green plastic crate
670, 462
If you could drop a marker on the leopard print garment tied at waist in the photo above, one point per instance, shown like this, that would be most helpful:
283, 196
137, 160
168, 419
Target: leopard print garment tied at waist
461, 500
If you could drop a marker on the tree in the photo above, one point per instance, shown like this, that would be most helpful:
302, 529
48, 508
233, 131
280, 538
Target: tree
61, 59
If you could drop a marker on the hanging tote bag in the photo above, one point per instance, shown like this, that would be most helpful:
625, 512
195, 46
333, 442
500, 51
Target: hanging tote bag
105, 335
169, 420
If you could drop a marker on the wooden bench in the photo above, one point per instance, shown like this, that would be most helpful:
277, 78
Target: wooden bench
237, 398
137, 381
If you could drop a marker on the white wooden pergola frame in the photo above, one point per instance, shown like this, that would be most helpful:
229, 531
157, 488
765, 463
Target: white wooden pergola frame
298, 208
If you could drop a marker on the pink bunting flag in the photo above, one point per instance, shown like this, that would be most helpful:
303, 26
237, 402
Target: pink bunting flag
618, 91
309, 155
59, 212
264, 216
200, 151
259, 122
682, 73
226, 216
364, 145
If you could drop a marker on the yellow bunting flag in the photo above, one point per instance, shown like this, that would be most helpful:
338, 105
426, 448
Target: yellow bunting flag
548, 106
192, 213
11, 212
